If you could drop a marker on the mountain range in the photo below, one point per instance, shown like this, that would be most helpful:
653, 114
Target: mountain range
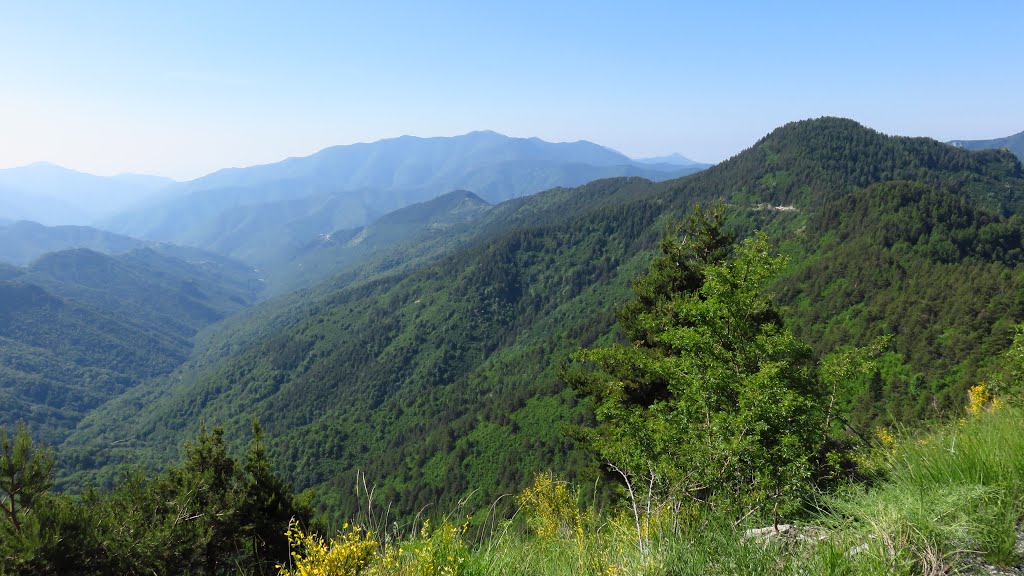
1013, 143
421, 346
431, 366
113, 290
53, 195
23, 241
261, 213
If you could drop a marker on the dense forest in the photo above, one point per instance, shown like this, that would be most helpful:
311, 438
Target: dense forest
711, 407
442, 379
729, 363
78, 327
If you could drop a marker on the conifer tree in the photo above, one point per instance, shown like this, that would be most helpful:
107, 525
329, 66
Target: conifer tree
26, 473
711, 396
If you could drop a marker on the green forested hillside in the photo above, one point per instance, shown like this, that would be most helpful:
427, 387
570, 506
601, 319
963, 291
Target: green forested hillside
180, 297
400, 238
78, 328
442, 380
60, 359
922, 263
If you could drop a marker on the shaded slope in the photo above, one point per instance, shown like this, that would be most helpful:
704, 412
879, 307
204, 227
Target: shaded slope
146, 286
409, 234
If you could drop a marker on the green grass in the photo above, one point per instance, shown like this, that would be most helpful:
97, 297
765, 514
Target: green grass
948, 499
945, 502
951, 494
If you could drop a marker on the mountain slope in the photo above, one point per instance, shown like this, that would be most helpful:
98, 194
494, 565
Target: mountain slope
251, 212
410, 234
78, 327
181, 297
919, 262
441, 380
1013, 143
60, 359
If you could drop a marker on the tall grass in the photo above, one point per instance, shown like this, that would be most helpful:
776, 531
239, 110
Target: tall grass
950, 495
948, 500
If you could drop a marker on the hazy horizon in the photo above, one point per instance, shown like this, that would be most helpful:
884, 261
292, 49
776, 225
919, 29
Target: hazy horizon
131, 174
186, 89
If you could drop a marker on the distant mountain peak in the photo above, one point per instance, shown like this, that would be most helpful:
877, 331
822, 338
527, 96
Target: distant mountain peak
461, 194
485, 133
44, 168
1012, 137
674, 159
43, 164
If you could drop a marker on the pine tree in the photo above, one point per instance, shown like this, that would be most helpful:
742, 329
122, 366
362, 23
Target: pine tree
26, 473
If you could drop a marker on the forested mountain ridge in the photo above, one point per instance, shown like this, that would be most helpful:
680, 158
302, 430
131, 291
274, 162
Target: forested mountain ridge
23, 242
148, 286
78, 327
261, 212
923, 264
810, 163
442, 379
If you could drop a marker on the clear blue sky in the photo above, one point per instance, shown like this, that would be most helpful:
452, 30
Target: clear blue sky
182, 88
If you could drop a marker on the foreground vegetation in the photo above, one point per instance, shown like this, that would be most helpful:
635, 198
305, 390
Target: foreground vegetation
944, 501
211, 514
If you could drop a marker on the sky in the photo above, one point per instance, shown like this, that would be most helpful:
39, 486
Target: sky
183, 88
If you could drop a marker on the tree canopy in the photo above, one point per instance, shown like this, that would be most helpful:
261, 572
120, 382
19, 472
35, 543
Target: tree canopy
712, 395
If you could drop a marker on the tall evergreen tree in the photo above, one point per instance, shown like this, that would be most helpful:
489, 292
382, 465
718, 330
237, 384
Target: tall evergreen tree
712, 396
